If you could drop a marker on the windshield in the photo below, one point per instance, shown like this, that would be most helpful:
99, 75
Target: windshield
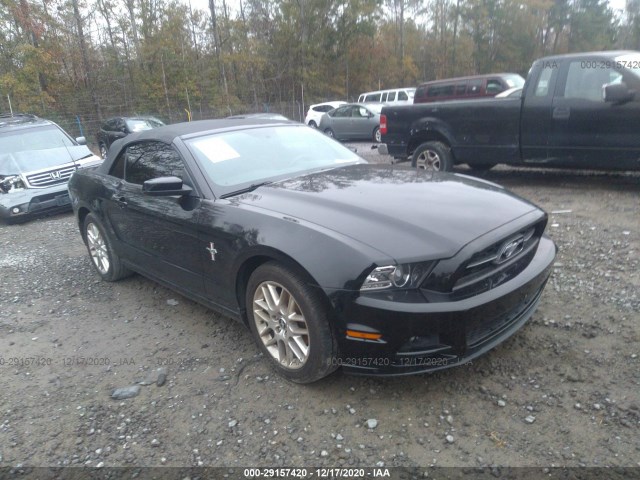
237, 159
37, 138
630, 62
140, 124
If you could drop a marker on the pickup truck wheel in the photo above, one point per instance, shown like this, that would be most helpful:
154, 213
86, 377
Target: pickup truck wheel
290, 322
377, 136
432, 156
104, 258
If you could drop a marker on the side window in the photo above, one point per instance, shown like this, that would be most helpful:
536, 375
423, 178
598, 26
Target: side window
144, 161
391, 97
384, 97
402, 95
542, 88
474, 86
587, 83
117, 170
372, 98
461, 88
342, 112
443, 90
494, 86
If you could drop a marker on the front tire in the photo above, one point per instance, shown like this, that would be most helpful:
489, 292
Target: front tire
329, 133
290, 323
432, 156
104, 259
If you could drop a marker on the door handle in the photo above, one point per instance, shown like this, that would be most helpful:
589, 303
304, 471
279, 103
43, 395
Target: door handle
561, 113
121, 201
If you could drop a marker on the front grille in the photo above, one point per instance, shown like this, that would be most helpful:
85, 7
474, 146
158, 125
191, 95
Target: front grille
482, 330
490, 267
487, 268
56, 176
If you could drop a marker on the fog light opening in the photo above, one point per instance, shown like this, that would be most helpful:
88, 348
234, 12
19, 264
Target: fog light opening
364, 335
15, 210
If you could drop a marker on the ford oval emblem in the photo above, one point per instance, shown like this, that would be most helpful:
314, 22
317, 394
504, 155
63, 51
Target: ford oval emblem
510, 249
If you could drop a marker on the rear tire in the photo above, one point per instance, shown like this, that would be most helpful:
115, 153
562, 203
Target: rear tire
432, 156
329, 133
103, 151
377, 136
290, 323
103, 257
313, 124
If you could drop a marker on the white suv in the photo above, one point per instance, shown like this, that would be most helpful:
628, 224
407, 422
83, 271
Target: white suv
316, 111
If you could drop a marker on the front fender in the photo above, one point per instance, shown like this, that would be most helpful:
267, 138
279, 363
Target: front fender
331, 259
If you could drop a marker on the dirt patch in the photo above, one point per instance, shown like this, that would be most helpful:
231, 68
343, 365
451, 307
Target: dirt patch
562, 392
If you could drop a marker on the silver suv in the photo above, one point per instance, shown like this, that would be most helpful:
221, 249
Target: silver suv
37, 158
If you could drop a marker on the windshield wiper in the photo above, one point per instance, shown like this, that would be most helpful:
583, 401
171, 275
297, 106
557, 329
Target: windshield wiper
250, 188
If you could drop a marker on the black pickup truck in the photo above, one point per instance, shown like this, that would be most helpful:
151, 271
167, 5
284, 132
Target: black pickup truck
576, 110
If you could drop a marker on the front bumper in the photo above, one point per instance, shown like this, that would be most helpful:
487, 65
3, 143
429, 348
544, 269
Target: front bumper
23, 205
422, 337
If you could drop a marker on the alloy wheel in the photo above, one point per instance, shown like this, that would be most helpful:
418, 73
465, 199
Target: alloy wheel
428, 160
97, 249
281, 325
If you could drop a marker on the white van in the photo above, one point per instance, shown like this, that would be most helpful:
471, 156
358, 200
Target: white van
393, 96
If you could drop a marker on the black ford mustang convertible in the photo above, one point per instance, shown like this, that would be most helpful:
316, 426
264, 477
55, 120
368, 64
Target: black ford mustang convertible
330, 261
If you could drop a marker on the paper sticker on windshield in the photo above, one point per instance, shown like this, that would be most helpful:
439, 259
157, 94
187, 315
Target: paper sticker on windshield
215, 149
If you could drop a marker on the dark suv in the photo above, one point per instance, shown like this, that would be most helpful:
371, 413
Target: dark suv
118, 127
37, 158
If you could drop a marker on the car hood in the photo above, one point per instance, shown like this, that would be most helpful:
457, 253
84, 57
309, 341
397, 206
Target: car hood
404, 213
31, 160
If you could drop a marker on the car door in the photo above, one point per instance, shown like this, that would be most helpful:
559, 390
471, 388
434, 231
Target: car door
341, 122
587, 131
159, 234
361, 123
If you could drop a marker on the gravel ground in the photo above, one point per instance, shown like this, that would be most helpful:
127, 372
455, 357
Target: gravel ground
562, 392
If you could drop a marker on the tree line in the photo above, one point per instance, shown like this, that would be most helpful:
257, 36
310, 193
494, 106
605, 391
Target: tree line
81, 61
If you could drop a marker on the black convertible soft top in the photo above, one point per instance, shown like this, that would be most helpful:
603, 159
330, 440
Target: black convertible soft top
169, 133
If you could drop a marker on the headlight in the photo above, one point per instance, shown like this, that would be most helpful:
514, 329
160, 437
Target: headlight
406, 275
7, 184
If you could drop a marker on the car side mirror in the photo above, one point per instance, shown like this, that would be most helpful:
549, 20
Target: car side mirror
617, 93
81, 140
165, 187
